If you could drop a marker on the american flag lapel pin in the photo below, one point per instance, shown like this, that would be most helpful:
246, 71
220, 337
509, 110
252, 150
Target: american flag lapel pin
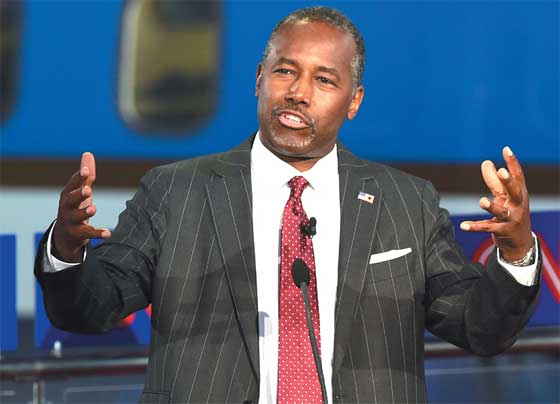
366, 197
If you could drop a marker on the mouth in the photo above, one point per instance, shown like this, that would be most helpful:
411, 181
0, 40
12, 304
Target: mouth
293, 119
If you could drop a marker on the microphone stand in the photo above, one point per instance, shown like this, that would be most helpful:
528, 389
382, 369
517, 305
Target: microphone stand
318, 365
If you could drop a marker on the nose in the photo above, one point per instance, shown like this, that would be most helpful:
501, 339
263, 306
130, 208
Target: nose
299, 92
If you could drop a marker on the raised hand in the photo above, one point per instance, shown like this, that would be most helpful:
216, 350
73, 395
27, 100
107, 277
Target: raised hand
510, 225
72, 230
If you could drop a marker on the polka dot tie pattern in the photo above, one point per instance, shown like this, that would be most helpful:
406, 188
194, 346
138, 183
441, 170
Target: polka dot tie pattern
297, 376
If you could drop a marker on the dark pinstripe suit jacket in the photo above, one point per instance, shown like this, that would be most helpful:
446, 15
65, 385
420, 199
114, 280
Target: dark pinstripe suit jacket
185, 244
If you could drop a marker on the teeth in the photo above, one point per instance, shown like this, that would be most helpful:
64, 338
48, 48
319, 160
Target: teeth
292, 118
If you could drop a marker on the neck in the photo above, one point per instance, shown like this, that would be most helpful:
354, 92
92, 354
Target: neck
302, 164
299, 163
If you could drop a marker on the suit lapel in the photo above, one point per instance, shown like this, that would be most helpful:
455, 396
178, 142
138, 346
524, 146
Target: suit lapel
357, 229
229, 196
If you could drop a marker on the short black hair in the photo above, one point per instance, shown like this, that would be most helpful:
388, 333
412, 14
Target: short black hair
331, 16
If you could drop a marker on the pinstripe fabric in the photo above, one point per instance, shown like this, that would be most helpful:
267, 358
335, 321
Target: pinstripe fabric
185, 244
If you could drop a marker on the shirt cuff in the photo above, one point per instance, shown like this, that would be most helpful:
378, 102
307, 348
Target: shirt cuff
51, 263
523, 275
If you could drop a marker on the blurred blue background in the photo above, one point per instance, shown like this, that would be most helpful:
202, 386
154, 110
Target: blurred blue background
446, 81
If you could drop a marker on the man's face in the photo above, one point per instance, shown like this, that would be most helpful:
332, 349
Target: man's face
304, 90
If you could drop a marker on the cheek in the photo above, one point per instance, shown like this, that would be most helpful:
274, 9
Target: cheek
263, 100
265, 97
333, 113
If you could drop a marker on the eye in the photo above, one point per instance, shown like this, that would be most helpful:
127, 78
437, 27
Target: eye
283, 70
326, 81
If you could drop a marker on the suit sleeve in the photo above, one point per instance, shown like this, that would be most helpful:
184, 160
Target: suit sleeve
115, 279
481, 309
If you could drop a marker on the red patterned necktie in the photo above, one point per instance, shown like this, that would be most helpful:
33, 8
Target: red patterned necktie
297, 376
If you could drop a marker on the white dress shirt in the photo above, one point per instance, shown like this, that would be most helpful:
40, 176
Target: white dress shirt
321, 200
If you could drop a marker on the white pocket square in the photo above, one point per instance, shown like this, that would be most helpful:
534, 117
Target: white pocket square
388, 255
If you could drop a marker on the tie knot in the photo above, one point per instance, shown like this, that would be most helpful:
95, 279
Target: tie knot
297, 185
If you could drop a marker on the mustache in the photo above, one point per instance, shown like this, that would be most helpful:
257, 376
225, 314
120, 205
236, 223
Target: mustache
308, 120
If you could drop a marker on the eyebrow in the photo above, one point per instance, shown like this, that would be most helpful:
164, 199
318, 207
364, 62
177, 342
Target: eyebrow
330, 70
324, 69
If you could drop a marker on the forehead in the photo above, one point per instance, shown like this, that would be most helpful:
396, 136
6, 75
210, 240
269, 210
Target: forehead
315, 42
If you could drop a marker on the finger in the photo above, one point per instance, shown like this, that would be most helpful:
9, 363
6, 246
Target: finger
86, 231
497, 210
87, 165
83, 175
512, 186
77, 196
86, 202
486, 226
490, 176
74, 182
512, 163
78, 216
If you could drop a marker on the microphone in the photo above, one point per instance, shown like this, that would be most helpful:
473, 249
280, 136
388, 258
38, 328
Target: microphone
309, 229
300, 273
302, 277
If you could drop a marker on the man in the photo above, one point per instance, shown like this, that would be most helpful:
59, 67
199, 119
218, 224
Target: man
200, 242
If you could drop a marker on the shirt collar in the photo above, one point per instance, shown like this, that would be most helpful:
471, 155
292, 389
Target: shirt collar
275, 172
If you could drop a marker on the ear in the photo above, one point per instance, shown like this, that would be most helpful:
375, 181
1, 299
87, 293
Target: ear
258, 79
355, 102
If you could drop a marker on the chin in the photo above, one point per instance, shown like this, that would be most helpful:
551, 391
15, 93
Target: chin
288, 150
289, 141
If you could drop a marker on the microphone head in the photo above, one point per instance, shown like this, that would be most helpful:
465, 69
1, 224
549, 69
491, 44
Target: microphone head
309, 229
300, 272
312, 226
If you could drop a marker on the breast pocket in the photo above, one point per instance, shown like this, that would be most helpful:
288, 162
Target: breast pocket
389, 264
